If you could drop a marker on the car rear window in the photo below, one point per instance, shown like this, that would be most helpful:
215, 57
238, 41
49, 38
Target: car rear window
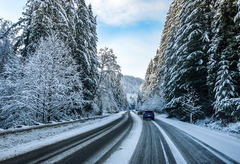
148, 111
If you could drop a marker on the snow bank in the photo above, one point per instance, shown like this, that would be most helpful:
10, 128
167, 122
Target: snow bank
233, 129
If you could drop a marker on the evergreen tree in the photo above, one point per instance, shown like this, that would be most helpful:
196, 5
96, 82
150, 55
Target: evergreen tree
85, 52
36, 24
224, 88
186, 54
223, 71
5, 45
170, 28
236, 19
92, 49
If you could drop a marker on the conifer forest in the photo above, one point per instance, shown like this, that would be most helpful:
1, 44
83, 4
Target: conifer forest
196, 69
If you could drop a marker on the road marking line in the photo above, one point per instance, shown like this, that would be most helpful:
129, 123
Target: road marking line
177, 155
164, 152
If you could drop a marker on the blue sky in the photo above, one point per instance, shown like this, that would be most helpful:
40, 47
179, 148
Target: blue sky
132, 28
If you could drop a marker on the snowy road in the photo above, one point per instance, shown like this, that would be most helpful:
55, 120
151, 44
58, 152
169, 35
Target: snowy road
126, 138
164, 143
152, 147
192, 149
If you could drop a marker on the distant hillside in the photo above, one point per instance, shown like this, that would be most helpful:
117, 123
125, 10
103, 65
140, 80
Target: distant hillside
132, 85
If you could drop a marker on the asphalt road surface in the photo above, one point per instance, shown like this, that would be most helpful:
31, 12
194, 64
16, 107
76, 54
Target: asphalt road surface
154, 149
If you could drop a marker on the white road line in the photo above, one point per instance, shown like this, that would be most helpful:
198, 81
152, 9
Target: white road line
165, 154
177, 155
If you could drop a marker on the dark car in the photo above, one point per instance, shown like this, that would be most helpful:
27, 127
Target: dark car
148, 114
140, 112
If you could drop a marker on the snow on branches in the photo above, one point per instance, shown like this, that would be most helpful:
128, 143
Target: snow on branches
45, 87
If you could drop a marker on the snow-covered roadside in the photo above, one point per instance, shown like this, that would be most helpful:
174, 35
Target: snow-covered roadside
15, 144
126, 150
26, 134
222, 142
233, 129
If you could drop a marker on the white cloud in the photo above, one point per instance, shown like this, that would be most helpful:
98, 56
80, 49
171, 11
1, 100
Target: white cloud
121, 12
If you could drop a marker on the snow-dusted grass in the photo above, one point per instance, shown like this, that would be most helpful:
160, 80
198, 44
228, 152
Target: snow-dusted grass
219, 140
21, 142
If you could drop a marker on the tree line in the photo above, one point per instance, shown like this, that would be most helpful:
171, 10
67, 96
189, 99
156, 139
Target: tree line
50, 68
198, 60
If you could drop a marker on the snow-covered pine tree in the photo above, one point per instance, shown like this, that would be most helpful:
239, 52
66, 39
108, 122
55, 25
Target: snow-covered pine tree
236, 20
92, 35
224, 88
224, 57
63, 16
69, 24
35, 24
85, 54
92, 51
170, 28
43, 18
148, 74
186, 57
213, 55
5, 44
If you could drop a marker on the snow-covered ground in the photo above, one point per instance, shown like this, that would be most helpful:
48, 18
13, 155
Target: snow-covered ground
18, 143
